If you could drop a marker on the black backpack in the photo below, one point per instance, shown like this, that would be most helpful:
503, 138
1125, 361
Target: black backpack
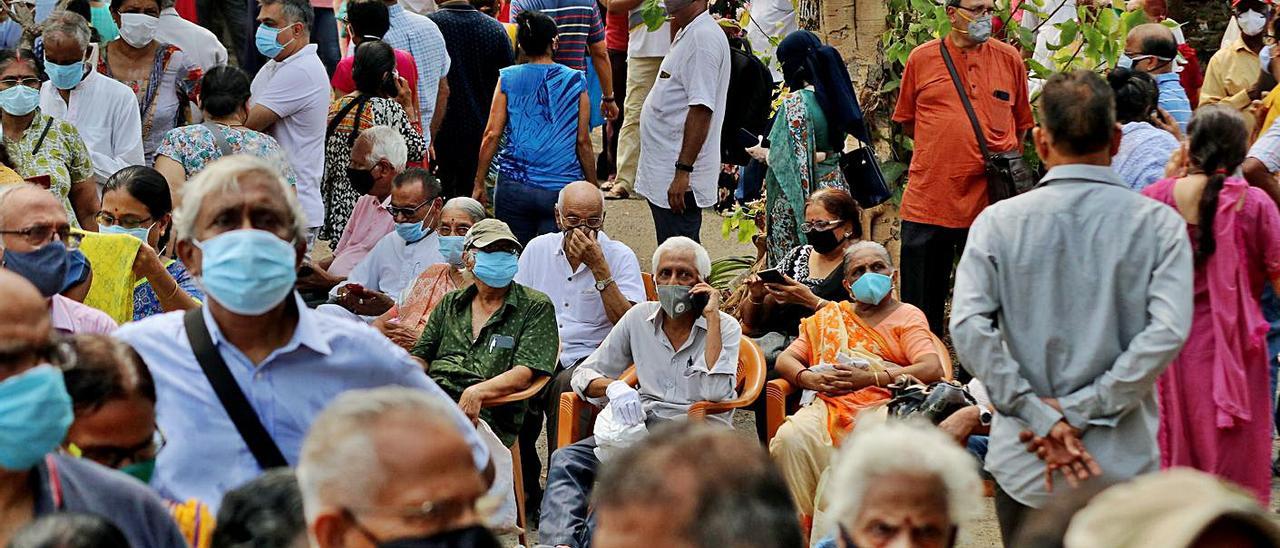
746, 115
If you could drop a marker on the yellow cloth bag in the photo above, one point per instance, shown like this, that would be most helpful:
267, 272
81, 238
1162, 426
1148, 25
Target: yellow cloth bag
111, 259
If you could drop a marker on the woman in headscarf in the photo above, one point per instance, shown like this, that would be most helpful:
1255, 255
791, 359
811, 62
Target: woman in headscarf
807, 136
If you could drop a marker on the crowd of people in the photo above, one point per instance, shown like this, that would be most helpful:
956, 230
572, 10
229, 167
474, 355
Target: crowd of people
317, 272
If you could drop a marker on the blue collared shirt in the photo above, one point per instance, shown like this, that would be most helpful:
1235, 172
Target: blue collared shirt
1096, 281
1173, 98
205, 456
1144, 151
421, 37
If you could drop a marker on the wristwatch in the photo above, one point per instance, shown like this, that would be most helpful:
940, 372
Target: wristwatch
984, 415
684, 167
603, 284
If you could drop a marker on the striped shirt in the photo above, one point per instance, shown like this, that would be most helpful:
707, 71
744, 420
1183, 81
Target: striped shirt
420, 36
1173, 98
579, 23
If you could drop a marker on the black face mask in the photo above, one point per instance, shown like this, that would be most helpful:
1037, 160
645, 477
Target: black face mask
361, 180
469, 537
823, 241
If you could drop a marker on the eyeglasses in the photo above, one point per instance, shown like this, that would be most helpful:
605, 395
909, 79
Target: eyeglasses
406, 211
14, 359
31, 82
105, 218
115, 457
594, 223
819, 226
977, 11
446, 230
1269, 40
40, 235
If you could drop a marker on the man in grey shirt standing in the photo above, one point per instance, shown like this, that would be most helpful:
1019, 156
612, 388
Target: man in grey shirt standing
1069, 301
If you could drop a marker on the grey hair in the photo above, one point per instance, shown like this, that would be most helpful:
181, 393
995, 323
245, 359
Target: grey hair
677, 244
560, 197
467, 205
868, 245
224, 175
298, 11
166, 4
908, 448
338, 465
70, 24
388, 144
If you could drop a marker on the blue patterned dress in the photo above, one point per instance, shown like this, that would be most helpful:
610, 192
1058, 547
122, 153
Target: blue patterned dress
145, 301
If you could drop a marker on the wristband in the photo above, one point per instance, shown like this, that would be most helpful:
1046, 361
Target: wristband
609, 99
684, 167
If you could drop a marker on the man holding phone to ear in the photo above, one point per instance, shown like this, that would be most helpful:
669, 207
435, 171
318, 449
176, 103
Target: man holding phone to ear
684, 349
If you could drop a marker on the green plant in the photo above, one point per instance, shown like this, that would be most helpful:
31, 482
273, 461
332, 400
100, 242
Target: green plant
726, 271
743, 222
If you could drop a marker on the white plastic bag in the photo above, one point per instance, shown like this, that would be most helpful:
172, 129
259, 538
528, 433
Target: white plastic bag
503, 490
612, 436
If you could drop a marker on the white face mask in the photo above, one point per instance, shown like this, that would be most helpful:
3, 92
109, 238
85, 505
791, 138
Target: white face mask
138, 29
1251, 22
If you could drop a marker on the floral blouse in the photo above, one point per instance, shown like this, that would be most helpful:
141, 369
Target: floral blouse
193, 148
62, 156
162, 104
147, 303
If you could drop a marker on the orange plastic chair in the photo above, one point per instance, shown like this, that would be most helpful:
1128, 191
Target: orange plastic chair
751, 375
650, 288
517, 470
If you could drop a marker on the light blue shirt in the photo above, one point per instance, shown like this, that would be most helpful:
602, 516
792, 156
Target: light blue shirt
1144, 151
420, 36
1096, 281
205, 456
1173, 98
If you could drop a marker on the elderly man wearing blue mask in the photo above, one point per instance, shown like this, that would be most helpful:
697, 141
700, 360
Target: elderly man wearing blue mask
240, 380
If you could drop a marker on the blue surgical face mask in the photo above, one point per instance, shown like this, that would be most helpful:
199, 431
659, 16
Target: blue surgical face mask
247, 271
141, 233
872, 288
411, 232
451, 249
265, 40
19, 100
497, 268
64, 77
35, 413
1124, 62
46, 267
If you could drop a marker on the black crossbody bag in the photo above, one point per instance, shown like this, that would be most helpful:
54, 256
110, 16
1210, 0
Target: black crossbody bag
1007, 172
264, 449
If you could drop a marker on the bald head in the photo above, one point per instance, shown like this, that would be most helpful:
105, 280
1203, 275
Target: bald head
1154, 40
20, 202
579, 202
24, 319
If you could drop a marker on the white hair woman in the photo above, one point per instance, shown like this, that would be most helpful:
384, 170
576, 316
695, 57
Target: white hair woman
848, 353
902, 484
405, 322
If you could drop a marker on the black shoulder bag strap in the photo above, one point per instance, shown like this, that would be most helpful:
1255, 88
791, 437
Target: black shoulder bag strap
964, 99
40, 142
264, 449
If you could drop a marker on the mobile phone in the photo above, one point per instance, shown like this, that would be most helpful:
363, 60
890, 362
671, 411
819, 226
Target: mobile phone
772, 276
699, 302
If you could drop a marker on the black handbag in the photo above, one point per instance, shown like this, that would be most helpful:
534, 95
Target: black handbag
862, 172
1007, 172
933, 402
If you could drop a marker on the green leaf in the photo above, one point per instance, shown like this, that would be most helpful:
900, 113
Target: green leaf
727, 227
745, 232
892, 170
892, 86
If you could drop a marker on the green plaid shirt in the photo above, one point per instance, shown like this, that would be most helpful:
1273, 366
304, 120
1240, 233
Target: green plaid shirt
521, 332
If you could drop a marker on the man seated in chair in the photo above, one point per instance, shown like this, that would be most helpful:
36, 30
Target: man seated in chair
685, 350
492, 339
883, 338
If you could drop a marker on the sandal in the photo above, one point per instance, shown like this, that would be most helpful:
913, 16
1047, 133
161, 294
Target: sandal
617, 193
606, 186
